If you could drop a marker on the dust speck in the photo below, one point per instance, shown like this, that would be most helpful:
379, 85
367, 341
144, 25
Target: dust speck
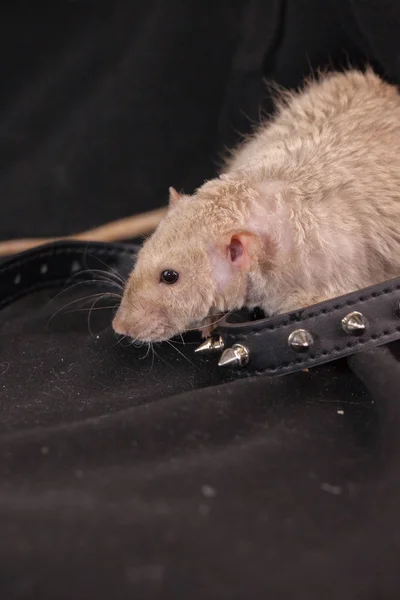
75, 267
44, 449
335, 490
340, 412
208, 491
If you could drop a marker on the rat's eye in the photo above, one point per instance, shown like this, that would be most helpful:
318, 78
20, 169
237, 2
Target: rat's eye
169, 276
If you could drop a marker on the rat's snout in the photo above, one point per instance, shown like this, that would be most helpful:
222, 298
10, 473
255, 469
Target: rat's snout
122, 321
129, 322
142, 324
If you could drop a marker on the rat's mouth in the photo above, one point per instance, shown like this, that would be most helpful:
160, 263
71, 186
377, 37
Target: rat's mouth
244, 315
150, 334
154, 337
237, 316
195, 324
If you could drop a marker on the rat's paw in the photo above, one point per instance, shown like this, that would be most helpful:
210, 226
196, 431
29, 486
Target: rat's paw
206, 330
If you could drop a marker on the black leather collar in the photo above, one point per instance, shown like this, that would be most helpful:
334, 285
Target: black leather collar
264, 345
267, 341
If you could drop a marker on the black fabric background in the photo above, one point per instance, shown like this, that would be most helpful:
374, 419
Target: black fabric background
127, 476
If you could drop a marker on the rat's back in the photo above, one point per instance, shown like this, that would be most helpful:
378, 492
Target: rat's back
337, 143
344, 127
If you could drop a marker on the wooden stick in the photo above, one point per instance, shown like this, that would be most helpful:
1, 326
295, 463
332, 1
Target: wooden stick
122, 229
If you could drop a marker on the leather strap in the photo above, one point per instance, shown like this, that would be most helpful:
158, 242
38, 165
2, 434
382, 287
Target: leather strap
58, 264
266, 340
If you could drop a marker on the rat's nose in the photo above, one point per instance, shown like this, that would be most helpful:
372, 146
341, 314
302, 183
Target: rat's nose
121, 322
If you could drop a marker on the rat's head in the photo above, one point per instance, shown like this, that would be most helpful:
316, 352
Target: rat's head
198, 260
169, 288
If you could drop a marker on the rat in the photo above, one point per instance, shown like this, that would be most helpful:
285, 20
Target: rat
307, 208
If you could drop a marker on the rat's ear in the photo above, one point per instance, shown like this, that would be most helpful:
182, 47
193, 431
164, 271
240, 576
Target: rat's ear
174, 196
265, 230
242, 249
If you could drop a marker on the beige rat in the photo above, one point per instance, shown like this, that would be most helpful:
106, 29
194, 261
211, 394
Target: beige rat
308, 208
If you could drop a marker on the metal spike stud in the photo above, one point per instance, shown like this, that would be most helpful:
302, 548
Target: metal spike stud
300, 340
354, 323
237, 356
211, 345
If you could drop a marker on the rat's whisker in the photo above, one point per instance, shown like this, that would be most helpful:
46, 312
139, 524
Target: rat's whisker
74, 285
212, 322
107, 276
186, 343
90, 308
152, 358
114, 271
89, 315
119, 341
101, 276
79, 274
98, 295
164, 361
224, 315
147, 353
181, 353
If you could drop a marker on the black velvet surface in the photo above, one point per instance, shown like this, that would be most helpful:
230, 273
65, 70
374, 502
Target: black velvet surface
131, 476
